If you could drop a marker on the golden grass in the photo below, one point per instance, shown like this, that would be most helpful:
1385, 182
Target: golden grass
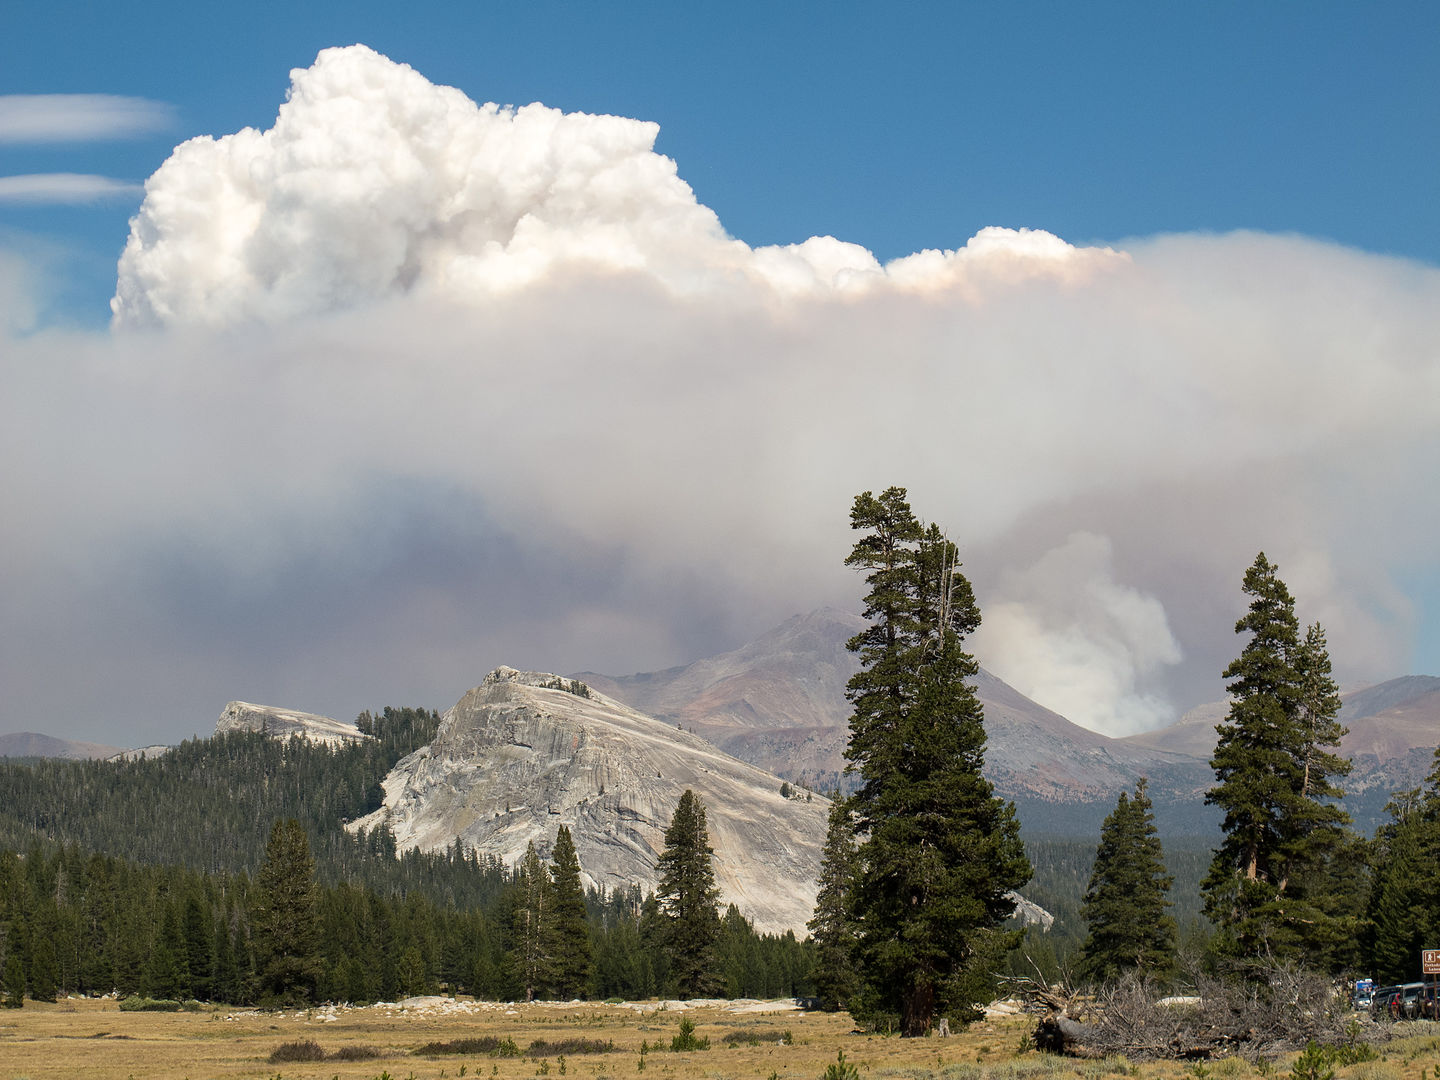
93, 1040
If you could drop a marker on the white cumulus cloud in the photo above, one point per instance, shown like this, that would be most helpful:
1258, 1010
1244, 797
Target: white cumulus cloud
374, 182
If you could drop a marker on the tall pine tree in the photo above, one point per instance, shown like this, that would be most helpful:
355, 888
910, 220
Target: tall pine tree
285, 919
831, 929
1124, 905
530, 954
687, 897
941, 853
1282, 828
570, 948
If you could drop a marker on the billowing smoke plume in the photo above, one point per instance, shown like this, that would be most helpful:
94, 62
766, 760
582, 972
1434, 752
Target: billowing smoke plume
419, 387
375, 183
1069, 635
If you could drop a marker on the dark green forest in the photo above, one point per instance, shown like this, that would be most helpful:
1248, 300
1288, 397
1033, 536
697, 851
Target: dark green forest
139, 877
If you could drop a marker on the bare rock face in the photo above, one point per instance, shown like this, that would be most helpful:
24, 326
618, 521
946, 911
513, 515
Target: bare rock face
284, 723
525, 752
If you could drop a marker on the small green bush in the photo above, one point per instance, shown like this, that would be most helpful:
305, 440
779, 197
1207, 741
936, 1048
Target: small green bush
686, 1040
840, 1069
1312, 1064
1353, 1053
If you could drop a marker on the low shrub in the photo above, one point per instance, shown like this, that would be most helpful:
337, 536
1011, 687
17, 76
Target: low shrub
144, 1004
547, 1048
740, 1038
301, 1050
355, 1053
485, 1044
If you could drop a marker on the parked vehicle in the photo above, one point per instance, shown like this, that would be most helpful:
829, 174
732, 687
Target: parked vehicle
1363, 993
1400, 1002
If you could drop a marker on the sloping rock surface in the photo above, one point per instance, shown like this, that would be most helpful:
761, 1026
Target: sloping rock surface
520, 755
284, 723
140, 753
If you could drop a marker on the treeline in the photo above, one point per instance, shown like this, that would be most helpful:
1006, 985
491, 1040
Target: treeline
77, 923
208, 804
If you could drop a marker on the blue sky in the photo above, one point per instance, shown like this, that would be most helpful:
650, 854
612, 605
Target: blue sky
209, 499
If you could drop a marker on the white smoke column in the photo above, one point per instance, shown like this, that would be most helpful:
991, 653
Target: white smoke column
1068, 635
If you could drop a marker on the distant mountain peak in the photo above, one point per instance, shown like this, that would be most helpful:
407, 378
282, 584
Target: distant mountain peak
31, 744
1382, 697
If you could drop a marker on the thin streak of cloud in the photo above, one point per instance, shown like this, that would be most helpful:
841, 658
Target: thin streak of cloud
65, 188
52, 118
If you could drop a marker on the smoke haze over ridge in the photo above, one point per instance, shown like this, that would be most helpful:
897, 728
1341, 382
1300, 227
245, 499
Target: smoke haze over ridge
406, 387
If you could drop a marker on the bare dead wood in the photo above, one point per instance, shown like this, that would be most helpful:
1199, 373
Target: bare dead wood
1276, 1013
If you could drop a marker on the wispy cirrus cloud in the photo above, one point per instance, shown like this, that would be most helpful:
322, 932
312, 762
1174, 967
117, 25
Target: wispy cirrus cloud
64, 188
52, 118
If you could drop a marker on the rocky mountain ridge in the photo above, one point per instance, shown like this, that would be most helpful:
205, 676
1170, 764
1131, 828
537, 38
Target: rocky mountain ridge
525, 752
286, 723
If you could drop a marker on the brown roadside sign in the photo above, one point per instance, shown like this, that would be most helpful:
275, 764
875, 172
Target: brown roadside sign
1430, 961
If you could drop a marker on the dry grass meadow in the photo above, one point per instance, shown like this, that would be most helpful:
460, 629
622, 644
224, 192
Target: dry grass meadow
78, 1039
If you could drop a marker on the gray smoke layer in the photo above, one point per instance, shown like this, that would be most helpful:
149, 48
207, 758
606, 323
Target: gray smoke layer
406, 387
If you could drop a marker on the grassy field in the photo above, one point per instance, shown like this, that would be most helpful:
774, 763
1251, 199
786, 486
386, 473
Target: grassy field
78, 1039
